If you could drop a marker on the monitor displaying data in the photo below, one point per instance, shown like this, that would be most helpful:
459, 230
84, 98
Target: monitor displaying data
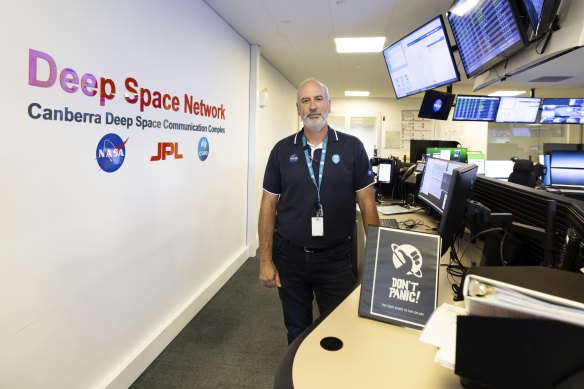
518, 109
436, 182
476, 108
486, 34
562, 111
421, 60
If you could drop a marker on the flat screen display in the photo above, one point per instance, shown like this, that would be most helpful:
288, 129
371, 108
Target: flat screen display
421, 60
518, 110
567, 168
541, 14
485, 35
562, 111
476, 108
436, 182
449, 153
436, 105
384, 171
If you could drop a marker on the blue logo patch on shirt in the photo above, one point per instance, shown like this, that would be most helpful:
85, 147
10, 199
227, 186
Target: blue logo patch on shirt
293, 158
370, 173
336, 159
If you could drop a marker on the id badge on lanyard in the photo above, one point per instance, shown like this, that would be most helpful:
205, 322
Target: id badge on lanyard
318, 220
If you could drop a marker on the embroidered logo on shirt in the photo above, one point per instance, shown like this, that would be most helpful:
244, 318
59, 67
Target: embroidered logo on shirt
336, 159
293, 158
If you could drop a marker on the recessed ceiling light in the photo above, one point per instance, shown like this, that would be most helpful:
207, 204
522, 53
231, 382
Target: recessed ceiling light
507, 93
356, 93
360, 45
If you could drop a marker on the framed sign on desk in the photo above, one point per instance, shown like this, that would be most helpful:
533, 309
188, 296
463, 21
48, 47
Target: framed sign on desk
400, 276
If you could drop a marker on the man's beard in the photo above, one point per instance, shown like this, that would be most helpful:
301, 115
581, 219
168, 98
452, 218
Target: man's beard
315, 125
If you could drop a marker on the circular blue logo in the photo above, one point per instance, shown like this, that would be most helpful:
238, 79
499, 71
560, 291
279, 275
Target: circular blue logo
336, 159
437, 105
203, 149
293, 158
110, 153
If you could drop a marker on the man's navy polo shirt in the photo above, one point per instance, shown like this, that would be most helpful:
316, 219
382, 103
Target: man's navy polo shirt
346, 171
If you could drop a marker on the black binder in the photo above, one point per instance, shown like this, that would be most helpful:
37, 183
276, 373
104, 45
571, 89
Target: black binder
500, 352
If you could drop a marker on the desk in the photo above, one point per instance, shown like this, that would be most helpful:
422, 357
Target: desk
374, 354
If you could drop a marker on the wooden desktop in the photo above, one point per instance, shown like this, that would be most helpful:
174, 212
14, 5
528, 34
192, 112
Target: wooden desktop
373, 354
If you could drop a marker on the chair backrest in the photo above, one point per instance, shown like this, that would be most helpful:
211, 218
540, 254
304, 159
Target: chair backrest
523, 173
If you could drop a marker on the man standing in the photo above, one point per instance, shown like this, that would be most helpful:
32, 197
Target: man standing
312, 182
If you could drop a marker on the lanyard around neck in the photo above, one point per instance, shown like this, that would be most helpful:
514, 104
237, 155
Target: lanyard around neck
320, 166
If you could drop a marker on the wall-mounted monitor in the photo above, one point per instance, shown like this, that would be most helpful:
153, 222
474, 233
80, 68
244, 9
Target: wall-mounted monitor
486, 34
518, 109
476, 108
421, 60
541, 14
562, 111
449, 153
436, 105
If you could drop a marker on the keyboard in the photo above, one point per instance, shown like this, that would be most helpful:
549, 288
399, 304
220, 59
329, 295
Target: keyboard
389, 223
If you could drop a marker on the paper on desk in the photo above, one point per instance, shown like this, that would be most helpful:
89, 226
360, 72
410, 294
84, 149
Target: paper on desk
440, 331
393, 209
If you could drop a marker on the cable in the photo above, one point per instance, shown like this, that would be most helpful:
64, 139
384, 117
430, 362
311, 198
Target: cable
455, 269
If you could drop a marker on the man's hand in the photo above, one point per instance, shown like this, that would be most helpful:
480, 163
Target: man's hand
269, 276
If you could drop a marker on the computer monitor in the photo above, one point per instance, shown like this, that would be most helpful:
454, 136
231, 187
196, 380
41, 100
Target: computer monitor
436, 105
444, 191
549, 147
477, 158
541, 14
476, 108
418, 147
421, 60
450, 153
562, 111
567, 168
485, 34
385, 172
436, 181
518, 109
459, 194
499, 169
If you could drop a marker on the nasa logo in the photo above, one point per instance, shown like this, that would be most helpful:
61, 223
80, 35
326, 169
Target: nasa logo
437, 105
203, 149
110, 152
293, 158
336, 159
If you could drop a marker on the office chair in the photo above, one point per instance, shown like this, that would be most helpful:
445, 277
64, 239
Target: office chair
523, 173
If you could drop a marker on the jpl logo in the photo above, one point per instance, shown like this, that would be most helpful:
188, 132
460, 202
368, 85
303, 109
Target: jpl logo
110, 153
164, 149
203, 149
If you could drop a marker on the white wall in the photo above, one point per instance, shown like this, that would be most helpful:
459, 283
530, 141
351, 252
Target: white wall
101, 270
276, 120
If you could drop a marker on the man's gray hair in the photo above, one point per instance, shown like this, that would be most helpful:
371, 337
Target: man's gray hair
326, 92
